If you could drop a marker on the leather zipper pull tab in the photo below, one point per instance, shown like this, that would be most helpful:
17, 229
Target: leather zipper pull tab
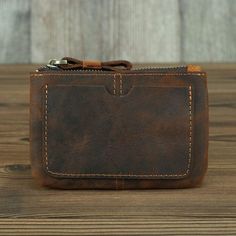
69, 63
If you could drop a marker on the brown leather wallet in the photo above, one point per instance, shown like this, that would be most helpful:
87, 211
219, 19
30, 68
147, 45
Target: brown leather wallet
104, 125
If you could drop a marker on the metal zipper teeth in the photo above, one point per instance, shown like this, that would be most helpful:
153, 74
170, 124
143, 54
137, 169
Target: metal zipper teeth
161, 68
49, 69
137, 69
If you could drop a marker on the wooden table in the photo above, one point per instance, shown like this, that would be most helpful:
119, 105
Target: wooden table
28, 209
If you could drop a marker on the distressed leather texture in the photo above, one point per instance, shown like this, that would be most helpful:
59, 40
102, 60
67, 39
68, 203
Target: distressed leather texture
111, 130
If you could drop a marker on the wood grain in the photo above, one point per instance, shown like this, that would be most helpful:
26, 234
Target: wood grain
151, 30
15, 31
105, 29
124, 226
28, 209
207, 30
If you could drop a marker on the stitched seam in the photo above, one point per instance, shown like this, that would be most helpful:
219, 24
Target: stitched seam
116, 175
190, 129
46, 127
114, 85
121, 85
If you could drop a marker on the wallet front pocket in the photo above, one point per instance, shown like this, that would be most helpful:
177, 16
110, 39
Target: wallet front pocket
87, 132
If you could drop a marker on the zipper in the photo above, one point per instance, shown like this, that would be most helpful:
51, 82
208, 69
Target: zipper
54, 66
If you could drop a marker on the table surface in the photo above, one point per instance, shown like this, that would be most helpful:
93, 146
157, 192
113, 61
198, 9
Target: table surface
26, 208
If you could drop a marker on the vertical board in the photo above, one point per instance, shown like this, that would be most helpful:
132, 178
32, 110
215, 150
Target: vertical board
208, 30
14, 31
106, 29
136, 30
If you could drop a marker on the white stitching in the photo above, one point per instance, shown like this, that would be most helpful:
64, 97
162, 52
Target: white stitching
116, 175
114, 85
46, 126
121, 85
190, 127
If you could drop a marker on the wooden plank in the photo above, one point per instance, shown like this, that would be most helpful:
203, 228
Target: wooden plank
105, 29
151, 30
15, 27
28, 209
208, 30
124, 226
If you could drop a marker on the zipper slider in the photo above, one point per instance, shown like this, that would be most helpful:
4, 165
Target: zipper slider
53, 63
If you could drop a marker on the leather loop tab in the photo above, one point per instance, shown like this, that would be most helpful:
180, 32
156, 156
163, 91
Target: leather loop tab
92, 64
120, 63
73, 63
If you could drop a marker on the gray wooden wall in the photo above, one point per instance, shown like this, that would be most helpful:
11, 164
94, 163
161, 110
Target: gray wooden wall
137, 30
